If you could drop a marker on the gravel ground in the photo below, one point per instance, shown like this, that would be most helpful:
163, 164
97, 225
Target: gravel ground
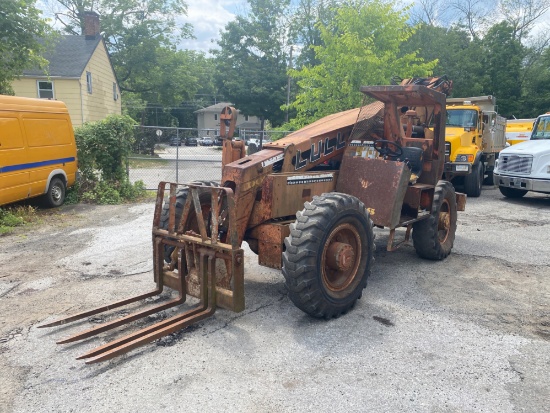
467, 334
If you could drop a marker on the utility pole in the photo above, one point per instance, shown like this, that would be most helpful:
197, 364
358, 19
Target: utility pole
288, 85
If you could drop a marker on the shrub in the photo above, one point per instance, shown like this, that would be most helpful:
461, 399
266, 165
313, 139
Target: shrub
103, 151
15, 216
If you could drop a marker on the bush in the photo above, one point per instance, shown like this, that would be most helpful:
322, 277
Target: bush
15, 217
103, 151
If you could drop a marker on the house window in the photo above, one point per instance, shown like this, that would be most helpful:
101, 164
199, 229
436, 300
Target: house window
45, 90
246, 118
216, 116
115, 91
89, 81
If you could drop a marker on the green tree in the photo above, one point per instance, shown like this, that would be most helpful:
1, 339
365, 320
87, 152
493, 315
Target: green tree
361, 46
252, 60
141, 38
21, 27
458, 56
536, 88
502, 62
304, 27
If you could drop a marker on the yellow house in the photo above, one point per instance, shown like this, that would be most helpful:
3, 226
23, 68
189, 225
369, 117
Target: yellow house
80, 74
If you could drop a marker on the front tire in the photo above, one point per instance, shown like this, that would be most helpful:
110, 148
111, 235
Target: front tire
55, 196
328, 255
433, 238
474, 181
512, 192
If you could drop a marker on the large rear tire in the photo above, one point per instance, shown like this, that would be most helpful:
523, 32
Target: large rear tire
433, 238
474, 181
328, 255
205, 199
512, 192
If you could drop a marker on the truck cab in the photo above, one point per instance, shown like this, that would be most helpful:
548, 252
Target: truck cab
474, 136
526, 166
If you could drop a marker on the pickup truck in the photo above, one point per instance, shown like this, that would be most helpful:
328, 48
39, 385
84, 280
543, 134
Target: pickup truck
525, 166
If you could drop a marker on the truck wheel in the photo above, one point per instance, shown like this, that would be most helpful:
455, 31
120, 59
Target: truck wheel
490, 179
512, 192
205, 198
328, 255
56, 193
473, 182
433, 237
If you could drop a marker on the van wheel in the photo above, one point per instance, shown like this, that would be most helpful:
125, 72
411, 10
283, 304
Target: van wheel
56, 193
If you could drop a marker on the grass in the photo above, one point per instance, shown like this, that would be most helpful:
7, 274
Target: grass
17, 216
147, 161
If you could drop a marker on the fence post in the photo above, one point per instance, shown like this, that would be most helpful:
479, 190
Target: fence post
177, 153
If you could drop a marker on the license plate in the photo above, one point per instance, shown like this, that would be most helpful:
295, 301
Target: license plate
462, 168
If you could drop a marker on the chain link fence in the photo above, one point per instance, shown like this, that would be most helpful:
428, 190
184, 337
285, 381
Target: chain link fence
177, 155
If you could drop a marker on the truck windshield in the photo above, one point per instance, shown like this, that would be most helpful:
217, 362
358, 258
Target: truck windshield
461, 117
541, 130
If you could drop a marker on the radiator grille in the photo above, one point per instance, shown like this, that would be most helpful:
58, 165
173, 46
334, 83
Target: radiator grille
515, 163
447, 148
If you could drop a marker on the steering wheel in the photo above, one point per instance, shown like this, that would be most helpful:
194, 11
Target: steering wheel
388, 148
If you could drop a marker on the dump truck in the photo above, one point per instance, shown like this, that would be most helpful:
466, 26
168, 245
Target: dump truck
474, 137
306, 204
526, 166
518, 130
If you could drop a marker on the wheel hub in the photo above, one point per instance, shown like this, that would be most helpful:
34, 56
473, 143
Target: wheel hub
340, 256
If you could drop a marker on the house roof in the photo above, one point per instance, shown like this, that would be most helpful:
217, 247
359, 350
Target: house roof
68, 57
249, 125
214, 108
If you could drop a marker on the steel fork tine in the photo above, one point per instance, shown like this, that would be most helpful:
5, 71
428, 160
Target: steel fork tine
98, 310
205, 309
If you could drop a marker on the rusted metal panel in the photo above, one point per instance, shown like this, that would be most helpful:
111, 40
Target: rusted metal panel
419, 196
380, 184
270, 242
460, 201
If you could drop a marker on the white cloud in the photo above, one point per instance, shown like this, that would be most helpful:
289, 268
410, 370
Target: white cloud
208, 17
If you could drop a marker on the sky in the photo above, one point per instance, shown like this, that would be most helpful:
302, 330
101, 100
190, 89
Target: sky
207, 17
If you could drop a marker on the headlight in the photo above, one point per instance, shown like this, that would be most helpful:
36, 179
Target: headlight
461, 158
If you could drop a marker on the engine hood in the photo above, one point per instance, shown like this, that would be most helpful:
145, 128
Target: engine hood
531, 147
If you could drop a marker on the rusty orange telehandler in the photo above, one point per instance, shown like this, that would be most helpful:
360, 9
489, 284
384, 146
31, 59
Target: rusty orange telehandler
306, 203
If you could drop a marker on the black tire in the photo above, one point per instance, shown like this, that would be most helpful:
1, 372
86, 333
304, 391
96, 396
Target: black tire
181, 197
433, 238
55, 196
490, 179
512, 192
474, 181
335, 223
252, 148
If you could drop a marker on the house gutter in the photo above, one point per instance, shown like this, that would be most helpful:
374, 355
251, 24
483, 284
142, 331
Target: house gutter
81, 102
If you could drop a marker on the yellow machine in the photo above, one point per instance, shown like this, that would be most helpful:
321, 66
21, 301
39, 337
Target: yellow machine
474, 136
518, 130
37, 150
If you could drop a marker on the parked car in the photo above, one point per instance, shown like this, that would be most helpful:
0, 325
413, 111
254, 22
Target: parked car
175, 142
218, 141
206, 141
191, 141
